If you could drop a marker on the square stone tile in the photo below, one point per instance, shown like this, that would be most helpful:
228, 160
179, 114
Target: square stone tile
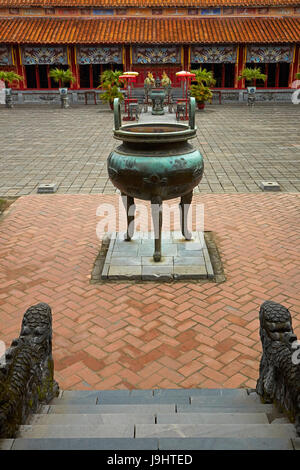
189, 261
158, 273
180, 259
126, 261
190, 272
124, 272
165, 261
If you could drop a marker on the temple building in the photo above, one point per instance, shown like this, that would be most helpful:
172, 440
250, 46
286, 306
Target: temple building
90, 36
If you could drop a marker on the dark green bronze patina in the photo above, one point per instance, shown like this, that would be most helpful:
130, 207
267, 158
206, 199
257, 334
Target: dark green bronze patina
155, 163
157, 97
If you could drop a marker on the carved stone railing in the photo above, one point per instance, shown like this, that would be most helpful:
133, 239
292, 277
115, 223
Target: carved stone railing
27, 374
279, 373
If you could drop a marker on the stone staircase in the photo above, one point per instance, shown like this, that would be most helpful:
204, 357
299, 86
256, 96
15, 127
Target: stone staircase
181, 419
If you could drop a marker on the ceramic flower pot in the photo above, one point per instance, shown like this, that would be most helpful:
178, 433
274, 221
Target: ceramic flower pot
200, 105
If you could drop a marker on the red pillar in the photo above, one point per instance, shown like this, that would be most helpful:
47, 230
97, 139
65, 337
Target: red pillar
266, 73
20, 68
277, 76
223, 76
125, 57
295, 66
186, 58
127, 64
74, 68
239, 66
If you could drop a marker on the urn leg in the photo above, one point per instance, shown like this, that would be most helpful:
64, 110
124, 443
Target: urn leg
184, 206
129, 205
156, 209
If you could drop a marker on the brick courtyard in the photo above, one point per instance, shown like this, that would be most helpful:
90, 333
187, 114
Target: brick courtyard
241, 148
148, 335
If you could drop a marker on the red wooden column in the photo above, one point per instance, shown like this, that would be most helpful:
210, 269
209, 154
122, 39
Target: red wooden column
127, 58
266, 73
186, 64
189, 58
223, 76
37, 77
74, 67
277, 76
20, 68
295, 65
240, 63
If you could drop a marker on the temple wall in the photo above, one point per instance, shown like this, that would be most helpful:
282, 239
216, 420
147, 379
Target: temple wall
77, 97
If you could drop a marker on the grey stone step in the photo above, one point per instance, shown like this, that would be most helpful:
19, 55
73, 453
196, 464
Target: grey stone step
6, 444
212, 418
85, 444
150, 444
125, 401
69, 430
143, 396
248, 400
225, 444
216, 430
224, 408
94, 419
201, 392
120, 409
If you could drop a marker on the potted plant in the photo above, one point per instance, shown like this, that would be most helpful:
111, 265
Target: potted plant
8, 78
112, 77
111, 92
251, 75
62, 77
110, 83
202, 94
204, 77
201, 90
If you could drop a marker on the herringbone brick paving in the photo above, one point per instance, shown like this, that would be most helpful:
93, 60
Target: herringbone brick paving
147, 335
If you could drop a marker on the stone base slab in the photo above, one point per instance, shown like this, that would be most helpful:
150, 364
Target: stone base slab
181, 259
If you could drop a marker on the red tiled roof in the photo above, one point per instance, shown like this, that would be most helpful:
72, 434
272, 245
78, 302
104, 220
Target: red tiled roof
149, 30
146, 3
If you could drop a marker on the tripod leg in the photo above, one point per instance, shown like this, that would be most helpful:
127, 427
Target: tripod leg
129, 205
184, 206
156, 209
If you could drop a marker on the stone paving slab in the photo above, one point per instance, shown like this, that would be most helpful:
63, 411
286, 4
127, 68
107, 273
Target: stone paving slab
131, 335
225, 444
94, 419
147, 117
212, 418
216, 430
69, 147
83, 443
113, 408
77, 431
127, 260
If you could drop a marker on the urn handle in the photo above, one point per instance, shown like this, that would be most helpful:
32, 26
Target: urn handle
117, 114
192, 110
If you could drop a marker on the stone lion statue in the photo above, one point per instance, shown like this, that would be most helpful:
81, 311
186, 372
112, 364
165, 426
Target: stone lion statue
27, 375
279, 373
